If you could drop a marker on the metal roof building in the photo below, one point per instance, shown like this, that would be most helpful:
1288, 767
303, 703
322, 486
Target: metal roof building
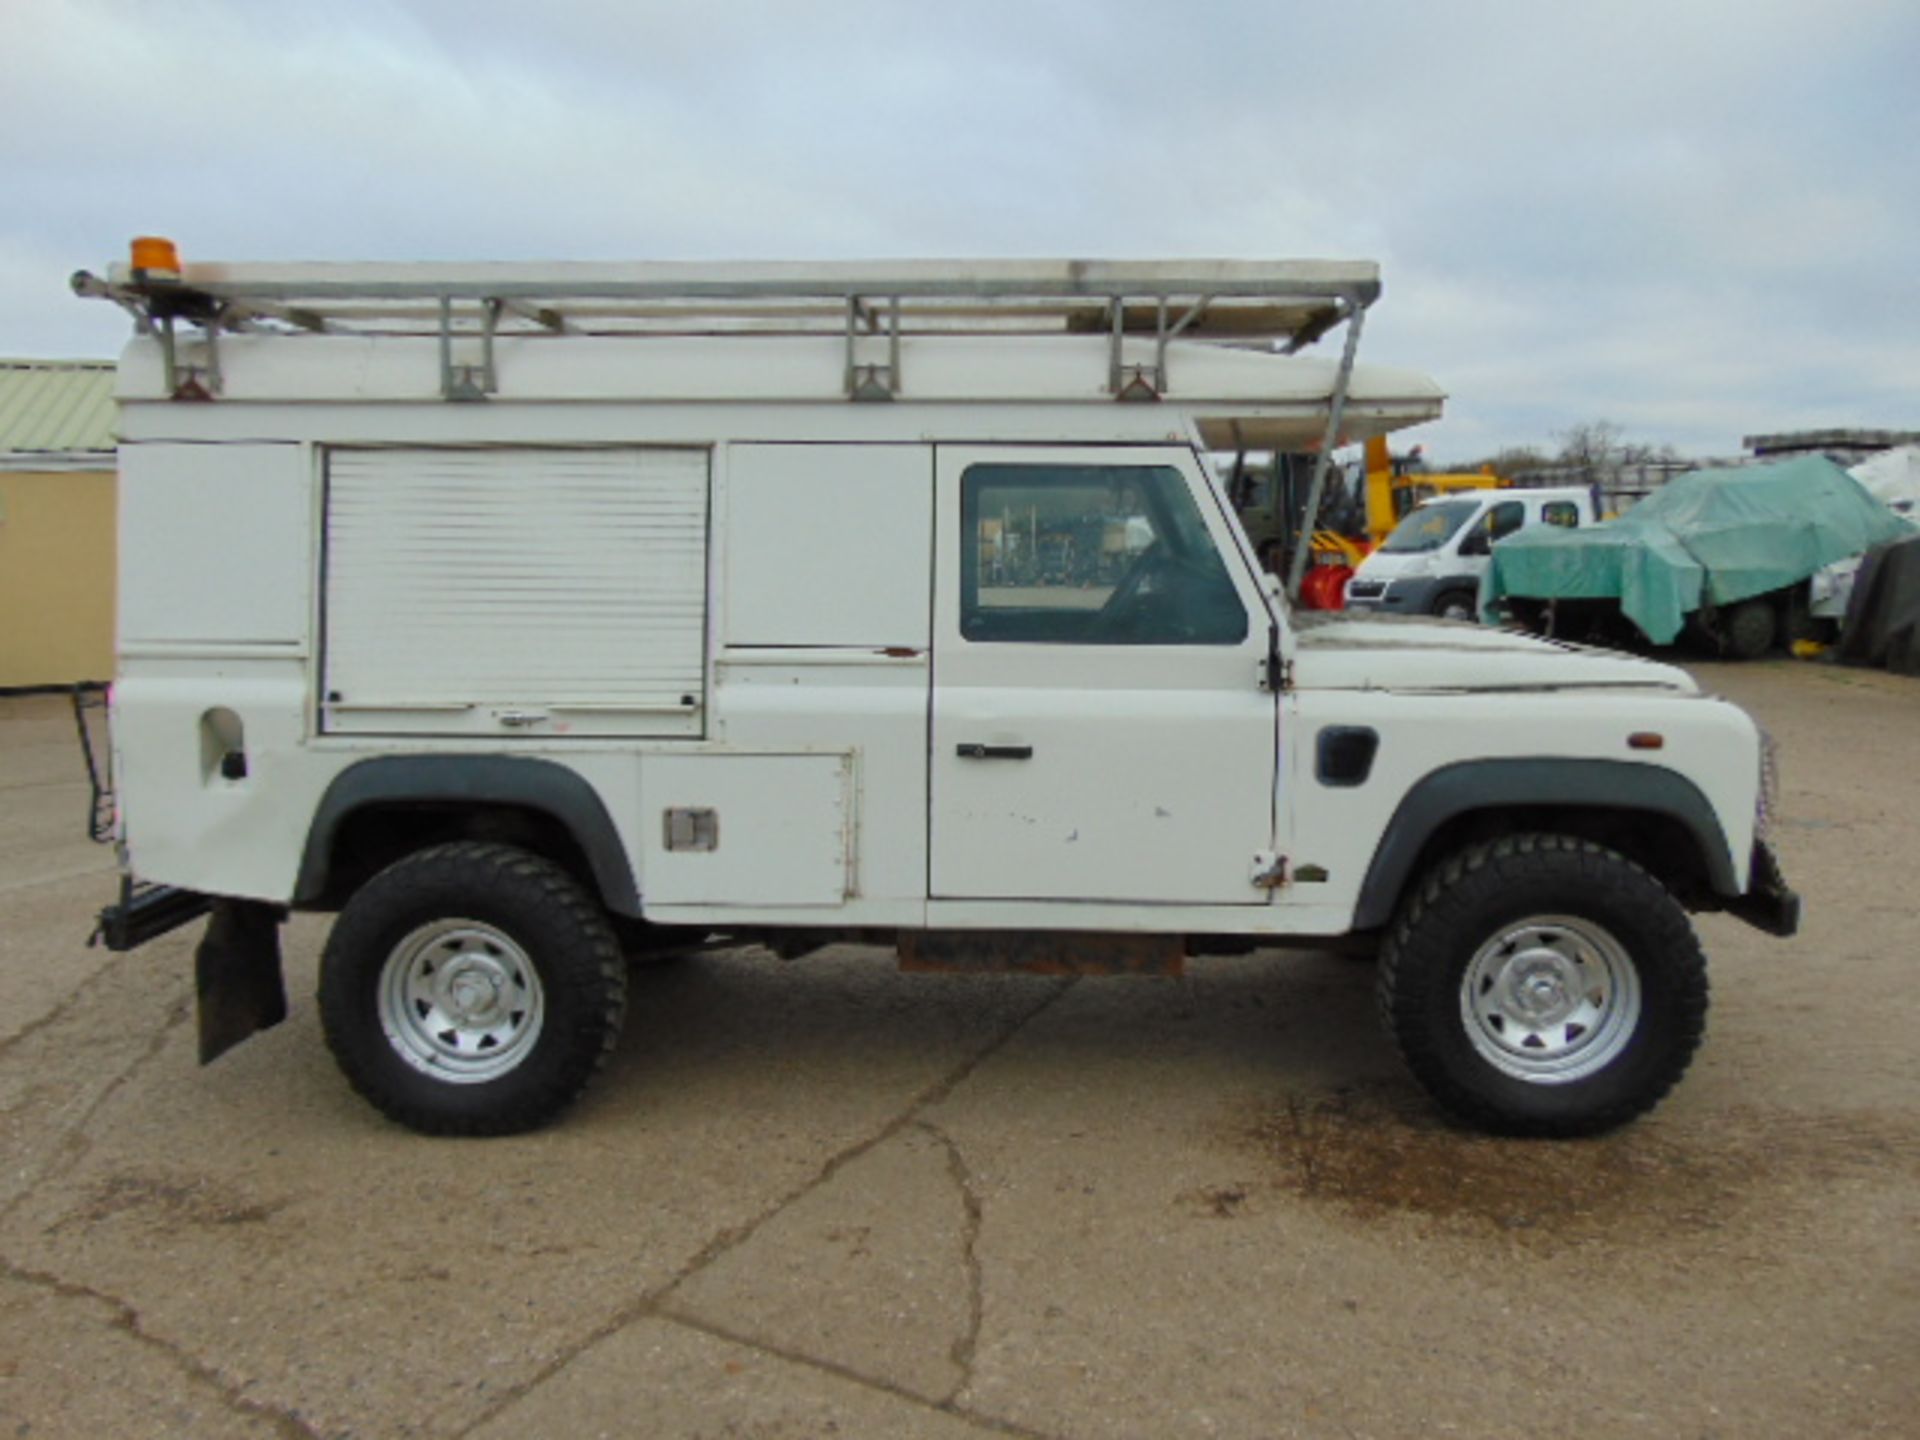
56, 413
57, 503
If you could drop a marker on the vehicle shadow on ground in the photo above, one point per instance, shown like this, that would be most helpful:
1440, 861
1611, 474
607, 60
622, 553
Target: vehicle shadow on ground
1287, 1019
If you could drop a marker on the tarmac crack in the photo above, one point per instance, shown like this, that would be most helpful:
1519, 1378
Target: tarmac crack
73, 1145
992, 1424
127, 1320
654, 1302
967, 1344
71, 1002
738, 1235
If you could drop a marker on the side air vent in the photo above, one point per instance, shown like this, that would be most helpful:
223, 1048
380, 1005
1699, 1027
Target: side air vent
1345, 754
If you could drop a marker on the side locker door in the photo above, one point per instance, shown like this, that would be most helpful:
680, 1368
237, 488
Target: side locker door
1100, 730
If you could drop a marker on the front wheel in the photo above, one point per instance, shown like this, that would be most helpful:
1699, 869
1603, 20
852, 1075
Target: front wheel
471, 989
1455, 605
1543, 985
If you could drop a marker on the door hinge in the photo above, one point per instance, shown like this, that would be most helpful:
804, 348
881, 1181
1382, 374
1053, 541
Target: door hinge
1269, 870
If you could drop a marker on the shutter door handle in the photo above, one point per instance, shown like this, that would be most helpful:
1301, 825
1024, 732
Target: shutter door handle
967, 750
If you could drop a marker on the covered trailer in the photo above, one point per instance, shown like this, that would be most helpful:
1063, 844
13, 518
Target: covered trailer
1728, 548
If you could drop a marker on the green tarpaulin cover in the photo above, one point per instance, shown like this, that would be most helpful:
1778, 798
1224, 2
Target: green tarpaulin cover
1706, 537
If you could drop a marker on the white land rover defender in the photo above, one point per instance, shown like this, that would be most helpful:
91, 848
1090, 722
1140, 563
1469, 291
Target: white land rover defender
529, 614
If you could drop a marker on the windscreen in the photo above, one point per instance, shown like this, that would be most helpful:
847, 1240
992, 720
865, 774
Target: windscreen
1429, 527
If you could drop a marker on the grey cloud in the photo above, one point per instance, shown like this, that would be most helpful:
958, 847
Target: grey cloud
1693, 219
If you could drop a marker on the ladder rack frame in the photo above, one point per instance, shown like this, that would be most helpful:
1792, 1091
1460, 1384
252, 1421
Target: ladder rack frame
1273, 305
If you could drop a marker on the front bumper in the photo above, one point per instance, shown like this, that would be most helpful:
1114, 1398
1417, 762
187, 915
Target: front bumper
1769, 904
1402, 595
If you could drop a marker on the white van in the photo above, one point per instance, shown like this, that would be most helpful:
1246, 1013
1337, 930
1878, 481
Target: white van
1433, 561
530, 616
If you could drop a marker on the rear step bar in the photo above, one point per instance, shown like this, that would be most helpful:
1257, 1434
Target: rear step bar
146, 912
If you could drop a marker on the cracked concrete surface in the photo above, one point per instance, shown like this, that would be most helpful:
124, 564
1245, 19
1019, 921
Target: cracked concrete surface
827, 1198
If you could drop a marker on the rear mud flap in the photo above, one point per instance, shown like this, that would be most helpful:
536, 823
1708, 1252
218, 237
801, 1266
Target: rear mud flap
236, 973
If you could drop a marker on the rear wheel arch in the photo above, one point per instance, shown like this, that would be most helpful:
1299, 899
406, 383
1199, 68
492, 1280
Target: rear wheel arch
1653, 816
378, 810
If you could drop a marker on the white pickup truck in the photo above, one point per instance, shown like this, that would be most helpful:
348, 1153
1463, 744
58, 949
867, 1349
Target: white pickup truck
526, 615
1434, 560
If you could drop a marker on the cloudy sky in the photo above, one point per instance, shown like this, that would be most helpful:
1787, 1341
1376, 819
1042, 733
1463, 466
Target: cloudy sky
1694, 218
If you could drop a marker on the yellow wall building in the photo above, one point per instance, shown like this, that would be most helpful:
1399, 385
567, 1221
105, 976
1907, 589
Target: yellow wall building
57, 522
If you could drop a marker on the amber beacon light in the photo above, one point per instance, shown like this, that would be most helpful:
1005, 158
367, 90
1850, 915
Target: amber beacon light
155, 258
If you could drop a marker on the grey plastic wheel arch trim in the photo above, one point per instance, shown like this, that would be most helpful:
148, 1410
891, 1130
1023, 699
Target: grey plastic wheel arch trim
542, 785
1455, 790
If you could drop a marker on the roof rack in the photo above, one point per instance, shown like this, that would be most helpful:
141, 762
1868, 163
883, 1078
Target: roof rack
1285, 305
1276, 304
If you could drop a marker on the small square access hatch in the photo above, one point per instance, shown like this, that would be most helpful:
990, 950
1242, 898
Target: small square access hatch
689, 829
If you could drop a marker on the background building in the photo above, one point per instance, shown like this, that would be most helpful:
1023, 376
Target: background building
57, 488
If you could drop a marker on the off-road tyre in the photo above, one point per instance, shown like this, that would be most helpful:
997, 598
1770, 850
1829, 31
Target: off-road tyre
504, 912
1462, 918
1455, 605
1748, 630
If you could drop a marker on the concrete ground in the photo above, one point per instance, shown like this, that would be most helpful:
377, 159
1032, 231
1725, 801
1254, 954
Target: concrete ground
828, 1199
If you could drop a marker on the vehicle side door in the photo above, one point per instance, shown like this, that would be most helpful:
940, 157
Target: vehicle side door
1101, 730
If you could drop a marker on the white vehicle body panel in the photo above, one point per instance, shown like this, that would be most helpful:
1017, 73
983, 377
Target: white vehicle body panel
784, 835
830, 683
258, 593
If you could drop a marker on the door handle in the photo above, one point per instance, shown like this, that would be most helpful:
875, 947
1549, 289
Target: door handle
968, 750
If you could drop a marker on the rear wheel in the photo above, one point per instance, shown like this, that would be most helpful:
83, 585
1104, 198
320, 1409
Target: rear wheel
1543, 985
471, 989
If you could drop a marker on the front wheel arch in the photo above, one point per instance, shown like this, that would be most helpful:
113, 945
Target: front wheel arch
1653, 815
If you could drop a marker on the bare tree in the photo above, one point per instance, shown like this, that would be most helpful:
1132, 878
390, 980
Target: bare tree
1590, 452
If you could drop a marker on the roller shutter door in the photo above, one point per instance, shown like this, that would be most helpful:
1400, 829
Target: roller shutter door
536, 591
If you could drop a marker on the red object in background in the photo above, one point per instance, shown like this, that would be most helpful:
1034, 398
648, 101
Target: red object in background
1325, 587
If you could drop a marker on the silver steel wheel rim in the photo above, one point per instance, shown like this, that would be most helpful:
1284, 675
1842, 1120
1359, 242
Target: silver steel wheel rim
461, 1001
1550, 999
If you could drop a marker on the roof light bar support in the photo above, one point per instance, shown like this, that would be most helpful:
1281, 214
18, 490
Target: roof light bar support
185, 381
1146, 382
468, 382
873, 382
1356, 313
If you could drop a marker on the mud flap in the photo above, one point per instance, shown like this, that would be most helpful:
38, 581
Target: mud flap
236, 974
1769, 904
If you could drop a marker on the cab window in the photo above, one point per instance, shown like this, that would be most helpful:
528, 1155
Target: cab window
1091, 555
1563, 513
1505, 518
1429, 527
